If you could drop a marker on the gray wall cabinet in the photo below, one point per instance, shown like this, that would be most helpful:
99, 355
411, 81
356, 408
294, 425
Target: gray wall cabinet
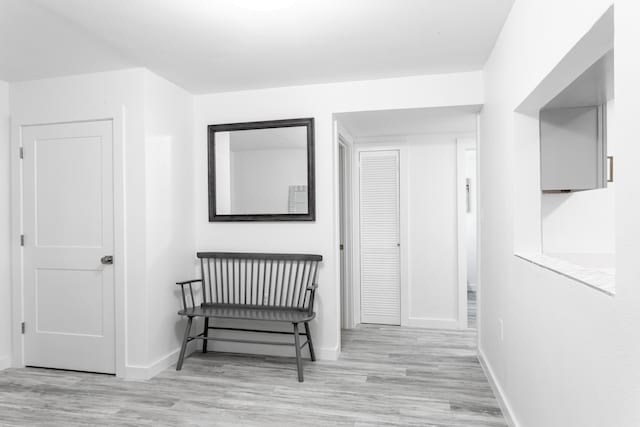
573, 149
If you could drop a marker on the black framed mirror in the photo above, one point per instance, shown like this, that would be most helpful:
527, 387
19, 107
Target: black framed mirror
262, 171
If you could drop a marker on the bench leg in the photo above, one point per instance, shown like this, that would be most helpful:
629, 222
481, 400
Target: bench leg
308, 334
185, 341
206, 334
296, 338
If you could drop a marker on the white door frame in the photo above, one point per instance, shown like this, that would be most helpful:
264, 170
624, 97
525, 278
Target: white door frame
348, 301
478, 233
117, 117
383, 144
463, 145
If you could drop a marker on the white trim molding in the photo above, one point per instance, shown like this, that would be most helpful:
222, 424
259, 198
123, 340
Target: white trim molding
505, 407
146, 372
5, 363
431, 323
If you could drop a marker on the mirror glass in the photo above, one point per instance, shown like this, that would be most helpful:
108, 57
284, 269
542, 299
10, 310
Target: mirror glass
260, 173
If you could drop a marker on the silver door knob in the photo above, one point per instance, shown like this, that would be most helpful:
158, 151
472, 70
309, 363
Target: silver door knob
107, 259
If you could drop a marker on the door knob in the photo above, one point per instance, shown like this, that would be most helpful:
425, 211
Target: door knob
107, 259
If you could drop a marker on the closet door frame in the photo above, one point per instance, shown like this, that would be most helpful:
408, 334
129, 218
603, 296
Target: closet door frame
383, 144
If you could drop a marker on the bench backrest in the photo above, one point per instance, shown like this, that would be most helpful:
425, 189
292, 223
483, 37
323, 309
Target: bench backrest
259, 279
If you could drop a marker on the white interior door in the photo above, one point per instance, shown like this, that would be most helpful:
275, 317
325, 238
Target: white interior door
68, 228
380, 237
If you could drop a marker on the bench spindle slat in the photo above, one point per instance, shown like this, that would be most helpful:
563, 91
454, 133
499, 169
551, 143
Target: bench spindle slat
203, 280
277, 295
264, 282
204, 295
226, 276
269, 287
233, 281
287, 297
283, 284
236, 281
295, 285
304, 285
251, 283
246, 262
301, 284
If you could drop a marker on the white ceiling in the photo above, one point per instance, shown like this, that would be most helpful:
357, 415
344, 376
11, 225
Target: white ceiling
368, 124
221, 45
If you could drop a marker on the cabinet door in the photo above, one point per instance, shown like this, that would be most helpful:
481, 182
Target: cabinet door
572, 149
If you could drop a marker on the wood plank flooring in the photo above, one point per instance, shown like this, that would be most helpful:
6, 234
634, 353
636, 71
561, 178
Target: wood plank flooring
386, 376
472, 308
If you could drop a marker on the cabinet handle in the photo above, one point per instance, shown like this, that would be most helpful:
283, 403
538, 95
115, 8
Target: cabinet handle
610, 174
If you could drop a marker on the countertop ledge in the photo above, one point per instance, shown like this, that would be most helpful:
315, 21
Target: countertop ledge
600, 279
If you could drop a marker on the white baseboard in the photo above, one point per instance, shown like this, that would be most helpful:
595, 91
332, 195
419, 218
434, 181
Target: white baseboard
507, 412
140, 372
431, 323
5, 362
327, 353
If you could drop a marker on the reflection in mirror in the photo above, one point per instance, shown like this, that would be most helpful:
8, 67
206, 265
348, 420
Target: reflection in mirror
261, 173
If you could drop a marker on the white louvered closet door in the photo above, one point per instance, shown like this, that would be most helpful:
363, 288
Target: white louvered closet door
379, 237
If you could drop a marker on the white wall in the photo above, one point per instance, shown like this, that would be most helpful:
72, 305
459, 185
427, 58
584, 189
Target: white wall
261, 178
5, 231
154, 126
320, 102
568, 356
170, 248
104, 95
433, 230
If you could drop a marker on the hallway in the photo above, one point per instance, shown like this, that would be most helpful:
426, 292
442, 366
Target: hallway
385, 376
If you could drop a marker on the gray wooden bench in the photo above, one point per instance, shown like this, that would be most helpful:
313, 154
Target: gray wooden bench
252, 286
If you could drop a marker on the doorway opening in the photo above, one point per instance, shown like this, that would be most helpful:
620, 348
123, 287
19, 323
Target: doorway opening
407, 209
467, 228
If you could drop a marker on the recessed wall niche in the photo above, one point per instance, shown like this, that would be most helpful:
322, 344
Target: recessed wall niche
565, 140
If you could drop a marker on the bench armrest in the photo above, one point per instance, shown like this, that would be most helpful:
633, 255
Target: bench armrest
186, 282
184, 295
312, 287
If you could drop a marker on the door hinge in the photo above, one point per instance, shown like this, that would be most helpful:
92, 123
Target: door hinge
22, 152
22, 240
22, 327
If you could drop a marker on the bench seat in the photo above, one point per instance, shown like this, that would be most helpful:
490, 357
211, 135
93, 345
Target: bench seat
227, 311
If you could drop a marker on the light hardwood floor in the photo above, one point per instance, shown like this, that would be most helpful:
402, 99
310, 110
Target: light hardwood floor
387, 376
472, 307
